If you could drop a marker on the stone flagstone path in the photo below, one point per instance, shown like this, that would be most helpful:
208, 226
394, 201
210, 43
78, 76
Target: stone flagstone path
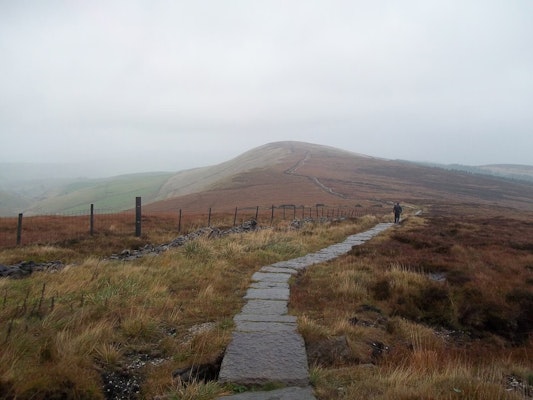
266, 347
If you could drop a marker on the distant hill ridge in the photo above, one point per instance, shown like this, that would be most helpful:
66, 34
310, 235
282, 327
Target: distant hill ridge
520, 172
287, 172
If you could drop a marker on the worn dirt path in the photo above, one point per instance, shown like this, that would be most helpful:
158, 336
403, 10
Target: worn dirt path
314, 179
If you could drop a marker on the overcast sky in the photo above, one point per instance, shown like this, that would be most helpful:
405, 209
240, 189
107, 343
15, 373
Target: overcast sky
168, 85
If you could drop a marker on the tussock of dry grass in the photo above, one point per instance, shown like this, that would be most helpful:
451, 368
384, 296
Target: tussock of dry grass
61, 330
461, 338
415, 337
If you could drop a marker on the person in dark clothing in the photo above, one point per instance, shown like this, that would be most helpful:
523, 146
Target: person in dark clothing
397, 209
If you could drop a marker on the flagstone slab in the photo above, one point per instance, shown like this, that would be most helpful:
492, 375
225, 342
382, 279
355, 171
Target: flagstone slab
267, 326
271, 277
267, 294
290, 393
279, 270
269, 285
257, 358
288, 319
265, 307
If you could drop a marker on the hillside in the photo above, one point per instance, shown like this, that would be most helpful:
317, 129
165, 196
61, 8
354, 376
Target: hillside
266, 175
109, 194
508, 171
306, 174
281, 173
522, 172
12, 201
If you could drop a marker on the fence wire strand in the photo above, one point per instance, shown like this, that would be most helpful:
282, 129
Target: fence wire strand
63, 227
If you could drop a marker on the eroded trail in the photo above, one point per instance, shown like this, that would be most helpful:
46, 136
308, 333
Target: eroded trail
266, 347
314, 179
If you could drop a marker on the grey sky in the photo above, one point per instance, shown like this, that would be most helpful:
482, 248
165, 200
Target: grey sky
178, 84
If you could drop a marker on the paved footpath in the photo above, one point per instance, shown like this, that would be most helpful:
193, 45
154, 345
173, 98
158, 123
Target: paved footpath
266, 347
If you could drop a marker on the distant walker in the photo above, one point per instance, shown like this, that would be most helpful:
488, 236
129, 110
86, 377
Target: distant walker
397, 209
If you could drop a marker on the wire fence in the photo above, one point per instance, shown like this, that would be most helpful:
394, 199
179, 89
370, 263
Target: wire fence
56, 228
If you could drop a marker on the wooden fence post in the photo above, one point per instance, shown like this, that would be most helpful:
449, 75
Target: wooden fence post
179, 222
272, 215
209, 218
235, 217
138, 217
256, 213
19, 230
91, 222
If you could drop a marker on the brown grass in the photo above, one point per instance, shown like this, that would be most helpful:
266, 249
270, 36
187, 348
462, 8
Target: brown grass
62, 331
410, 334
466, 336
111, 231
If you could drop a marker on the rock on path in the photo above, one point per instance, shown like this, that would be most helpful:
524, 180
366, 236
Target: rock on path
266, 346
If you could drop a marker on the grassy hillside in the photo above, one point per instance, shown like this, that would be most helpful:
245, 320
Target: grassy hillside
12, 204
521, 172
506, 171
202, 179
115, 193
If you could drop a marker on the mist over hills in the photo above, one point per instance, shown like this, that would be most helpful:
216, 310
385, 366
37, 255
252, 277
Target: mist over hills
275, 173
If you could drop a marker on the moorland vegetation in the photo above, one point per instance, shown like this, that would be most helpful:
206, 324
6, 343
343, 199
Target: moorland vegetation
439, 307
70, 333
